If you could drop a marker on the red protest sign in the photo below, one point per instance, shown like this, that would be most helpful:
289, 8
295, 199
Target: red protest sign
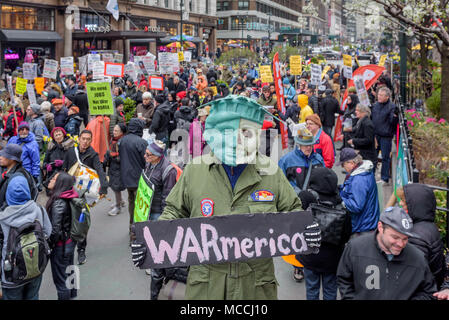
156, 83
113, 69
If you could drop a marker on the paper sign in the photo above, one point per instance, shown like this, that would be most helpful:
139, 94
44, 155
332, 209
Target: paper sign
113, 69
39, 85
91, 59
156, 83
98, 70
347, 72
187, 56
168, 62
99, 98
118, 58
347, 60
31, 94
180, 56
50, 69
315, 75
29, 71
107, 57
382, 60
10, 90
361, 90
222, 239
265, 73
148, 62
67, 66
295, 65
130, 71
143, 199
21, 86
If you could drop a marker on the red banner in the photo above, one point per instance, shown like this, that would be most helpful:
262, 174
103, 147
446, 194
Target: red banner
370, 74
280, 98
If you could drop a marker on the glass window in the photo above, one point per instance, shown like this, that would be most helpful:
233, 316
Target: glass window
190, 30
26, 18
243, 5
223, 24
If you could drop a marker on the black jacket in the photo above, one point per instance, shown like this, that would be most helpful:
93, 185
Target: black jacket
384, 119
56, 151
421, 204
132, 150
60, 117
363, 139
61, 219
161, 120
329, 106
364, 272
89, 158
81, 102
5, 178
313, 103
114, 174
186, 113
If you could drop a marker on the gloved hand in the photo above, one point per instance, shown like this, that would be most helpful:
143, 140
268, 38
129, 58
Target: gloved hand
312, 235
138, 252
49, 168
58, 163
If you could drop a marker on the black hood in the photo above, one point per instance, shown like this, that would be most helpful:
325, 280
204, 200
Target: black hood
324, 181
421, 202
185, 109
136, 126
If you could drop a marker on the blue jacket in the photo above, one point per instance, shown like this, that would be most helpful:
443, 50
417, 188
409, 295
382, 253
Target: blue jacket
72, 125
60, 116
384, 119
253, 73
359, 193
295, 165
30, 153
289, 93
71, 91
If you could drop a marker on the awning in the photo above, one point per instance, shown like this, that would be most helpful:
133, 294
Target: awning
118, 35
29, 36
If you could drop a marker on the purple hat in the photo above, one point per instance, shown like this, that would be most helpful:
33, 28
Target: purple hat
156, 147
346, 154
23, 124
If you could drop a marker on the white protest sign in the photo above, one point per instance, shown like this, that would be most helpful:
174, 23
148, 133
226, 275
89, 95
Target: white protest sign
361, 90
131, 71
29, 71
168, 62
31, 93
156, 83
98, 70
148, 62
11, 92
175, 62
347, 72
187, 56
113, 69
50, 69
315, 76
91, 59
118, 58
67, 66
82, 61
107, 57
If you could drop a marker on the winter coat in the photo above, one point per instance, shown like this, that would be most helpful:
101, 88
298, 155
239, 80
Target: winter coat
71, 90
251, 279
16, 216
30, 153
160, 122
131, 92
49, 121
313, 103
81, 102
185, 113
132, 150
211, 74
72, 124
359, 193
37, 126
4, 181
112, 161
162, 183
60, 215
147, 112
325, 148
289, 93
90, 159
384, 119
363, 139
10, 123
272, 101
350, 110
60, 116
364, 272
116, 118
329, 106
57, 151
421, 205
295, 165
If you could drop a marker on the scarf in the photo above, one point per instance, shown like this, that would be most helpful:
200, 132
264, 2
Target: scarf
113, 144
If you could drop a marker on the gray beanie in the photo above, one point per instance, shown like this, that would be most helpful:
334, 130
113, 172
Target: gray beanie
36, 108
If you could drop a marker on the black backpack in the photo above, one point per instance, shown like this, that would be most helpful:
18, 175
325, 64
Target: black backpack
27, 253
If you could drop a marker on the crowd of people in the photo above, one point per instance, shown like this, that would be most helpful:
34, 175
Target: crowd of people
398, 250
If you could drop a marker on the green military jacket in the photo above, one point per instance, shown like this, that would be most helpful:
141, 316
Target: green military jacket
251, 279
226, 76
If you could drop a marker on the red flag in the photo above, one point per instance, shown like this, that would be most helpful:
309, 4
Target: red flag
370, 74
280, 98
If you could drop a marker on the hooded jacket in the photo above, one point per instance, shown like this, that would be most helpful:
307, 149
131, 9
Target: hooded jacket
186, 113
132, 150
363, 139
72, 124
161, 119
359, 193
30, 153
364, 272
421, 205
37, 126
16, 216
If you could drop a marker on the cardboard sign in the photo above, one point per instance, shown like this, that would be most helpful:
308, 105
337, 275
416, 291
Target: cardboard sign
315, 75
187, 56
21, 86
31, 94
67, 67
347, 60
118, 58
39, 85
156, 83
130, 70
98, 70
144, 197
113, 69
220, 239
91, 60
382, 60
99, 98
180, 56
295, 65
265, 73
107, 57
29, 71
50, 69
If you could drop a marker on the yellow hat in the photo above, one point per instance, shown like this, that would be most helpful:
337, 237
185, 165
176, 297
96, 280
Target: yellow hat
303, 100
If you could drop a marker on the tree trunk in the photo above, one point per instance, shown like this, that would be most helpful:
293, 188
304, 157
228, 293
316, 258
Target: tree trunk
444, 106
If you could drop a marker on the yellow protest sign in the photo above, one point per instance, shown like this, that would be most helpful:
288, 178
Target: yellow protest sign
180, 56
214, 88
39, 84
295, 65
21, 86
265, 73
382, 60
347, 60
326, 69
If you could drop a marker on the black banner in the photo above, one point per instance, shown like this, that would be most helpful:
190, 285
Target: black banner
218, 239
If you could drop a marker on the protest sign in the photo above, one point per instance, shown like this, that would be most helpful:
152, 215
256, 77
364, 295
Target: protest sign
221, 239
187, 56
382, 60
280, 98
156, 83
315, 76
180, 56
347, 60
50, 69
265, 73
39, 84
99, 98
82, 61
107, 57
98, 70
361, 90
118, 58
67, 66
29, 71
91, 60
21, 86
295, 65
31, 94
144, 197
168, 62
347, 72
326, 69
10, 90
130, 71
148, 62
113, 69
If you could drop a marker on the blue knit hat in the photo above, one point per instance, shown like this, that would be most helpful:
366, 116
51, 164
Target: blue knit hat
286, 81
18, 191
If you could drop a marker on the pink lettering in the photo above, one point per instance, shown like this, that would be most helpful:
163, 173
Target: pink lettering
259, 243
283, 237
194, 248
210, 244
247, 244
158, 254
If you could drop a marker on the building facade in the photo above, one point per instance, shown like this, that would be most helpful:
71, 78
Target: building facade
47, 28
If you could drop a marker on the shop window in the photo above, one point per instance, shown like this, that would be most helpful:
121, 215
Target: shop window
169, 27
92, 20
223, 24
243, 5
223, 6
26, 18
189, 30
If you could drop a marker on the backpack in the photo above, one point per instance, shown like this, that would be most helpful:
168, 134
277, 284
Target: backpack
183, 124
80, 223
27, 253
168, 168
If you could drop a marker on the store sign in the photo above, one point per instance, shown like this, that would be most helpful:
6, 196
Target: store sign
152, 29
96, 28
11, 56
